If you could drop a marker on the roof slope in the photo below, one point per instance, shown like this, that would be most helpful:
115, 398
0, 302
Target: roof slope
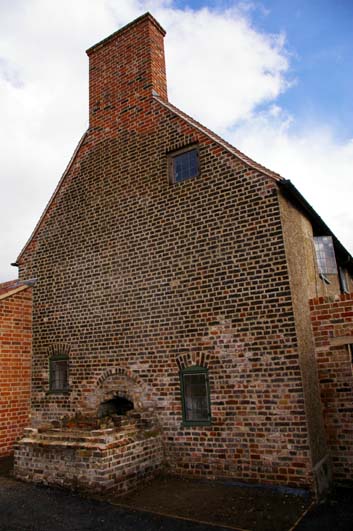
14, 286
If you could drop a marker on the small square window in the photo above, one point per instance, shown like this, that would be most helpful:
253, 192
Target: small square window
184, 165
59, 373
195, 396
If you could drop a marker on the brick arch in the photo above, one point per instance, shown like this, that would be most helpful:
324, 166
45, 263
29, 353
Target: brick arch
58, 349
201, 359
112, 371
118, 381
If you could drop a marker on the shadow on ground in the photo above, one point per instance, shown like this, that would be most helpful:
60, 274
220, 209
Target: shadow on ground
169, 504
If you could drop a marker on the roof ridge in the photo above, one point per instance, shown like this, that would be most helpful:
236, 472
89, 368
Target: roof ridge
216, 138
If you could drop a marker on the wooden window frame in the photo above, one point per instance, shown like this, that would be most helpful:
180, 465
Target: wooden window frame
174, 155
196, 369
52, 361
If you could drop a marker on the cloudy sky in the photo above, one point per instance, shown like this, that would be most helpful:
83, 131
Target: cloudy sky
274, 78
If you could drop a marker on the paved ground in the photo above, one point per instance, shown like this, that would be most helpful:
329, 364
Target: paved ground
26, 507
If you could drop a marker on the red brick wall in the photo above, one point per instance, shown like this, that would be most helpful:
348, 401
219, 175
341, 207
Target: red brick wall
15, 366
145, 276
332, 322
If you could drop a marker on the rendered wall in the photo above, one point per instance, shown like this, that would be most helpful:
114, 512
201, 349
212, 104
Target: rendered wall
301, 258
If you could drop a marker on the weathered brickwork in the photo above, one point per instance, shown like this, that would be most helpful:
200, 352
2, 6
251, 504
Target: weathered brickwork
332, 322
141, 277
15, 362
94, 461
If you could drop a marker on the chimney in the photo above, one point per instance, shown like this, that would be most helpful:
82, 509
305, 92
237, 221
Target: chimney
125, 69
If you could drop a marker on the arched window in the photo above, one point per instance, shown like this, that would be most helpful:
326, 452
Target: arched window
195, 395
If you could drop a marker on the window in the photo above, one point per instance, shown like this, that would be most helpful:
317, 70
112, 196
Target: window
325, 254
343, 280
184, 165
59, 372
195, 396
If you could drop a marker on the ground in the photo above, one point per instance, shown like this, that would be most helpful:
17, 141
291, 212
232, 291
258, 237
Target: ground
169, 504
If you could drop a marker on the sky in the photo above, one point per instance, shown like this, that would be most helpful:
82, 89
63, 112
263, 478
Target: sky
274, 78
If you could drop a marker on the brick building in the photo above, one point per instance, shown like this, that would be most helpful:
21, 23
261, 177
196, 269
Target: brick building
15, 361
173, 277
332, 320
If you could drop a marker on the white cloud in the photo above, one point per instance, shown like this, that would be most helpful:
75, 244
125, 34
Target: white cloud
318, 164
220, 69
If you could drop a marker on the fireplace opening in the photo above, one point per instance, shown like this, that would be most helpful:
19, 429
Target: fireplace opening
116, 406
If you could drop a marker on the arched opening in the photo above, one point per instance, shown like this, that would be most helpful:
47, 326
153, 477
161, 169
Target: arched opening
115, 406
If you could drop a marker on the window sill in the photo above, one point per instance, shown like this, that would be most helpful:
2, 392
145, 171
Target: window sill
61, 392
195, 424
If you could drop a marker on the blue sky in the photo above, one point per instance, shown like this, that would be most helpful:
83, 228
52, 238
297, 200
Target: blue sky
319, 40
273, 77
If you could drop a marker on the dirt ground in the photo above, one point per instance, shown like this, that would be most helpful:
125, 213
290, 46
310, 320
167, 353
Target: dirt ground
170, 504
220, 503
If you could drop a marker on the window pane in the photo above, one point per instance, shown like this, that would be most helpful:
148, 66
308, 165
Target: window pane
325, 255
185, 165
59, 375
196, 401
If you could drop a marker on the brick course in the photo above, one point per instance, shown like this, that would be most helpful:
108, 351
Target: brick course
15, 362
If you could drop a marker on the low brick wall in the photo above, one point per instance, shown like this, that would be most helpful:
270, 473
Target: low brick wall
332, 322
96, 461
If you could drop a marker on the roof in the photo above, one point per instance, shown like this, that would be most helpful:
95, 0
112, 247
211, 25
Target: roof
14, 286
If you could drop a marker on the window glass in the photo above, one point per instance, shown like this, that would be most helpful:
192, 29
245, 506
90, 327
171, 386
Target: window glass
59, 374
185, 165
196, 399
325, 254
343, 280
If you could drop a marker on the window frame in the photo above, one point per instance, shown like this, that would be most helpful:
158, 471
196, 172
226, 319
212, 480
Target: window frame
174, 155
52, 360
195, 369
325, 256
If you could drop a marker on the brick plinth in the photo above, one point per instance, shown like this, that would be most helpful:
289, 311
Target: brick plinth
95, 461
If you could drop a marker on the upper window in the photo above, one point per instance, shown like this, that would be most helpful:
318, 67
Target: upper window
195, 396
343, 280
325, 254
59, 373
184, 165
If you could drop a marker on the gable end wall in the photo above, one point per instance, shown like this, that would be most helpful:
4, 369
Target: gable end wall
136, 273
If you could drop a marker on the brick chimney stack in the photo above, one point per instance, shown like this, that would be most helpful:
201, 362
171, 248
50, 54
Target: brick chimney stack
125, 69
